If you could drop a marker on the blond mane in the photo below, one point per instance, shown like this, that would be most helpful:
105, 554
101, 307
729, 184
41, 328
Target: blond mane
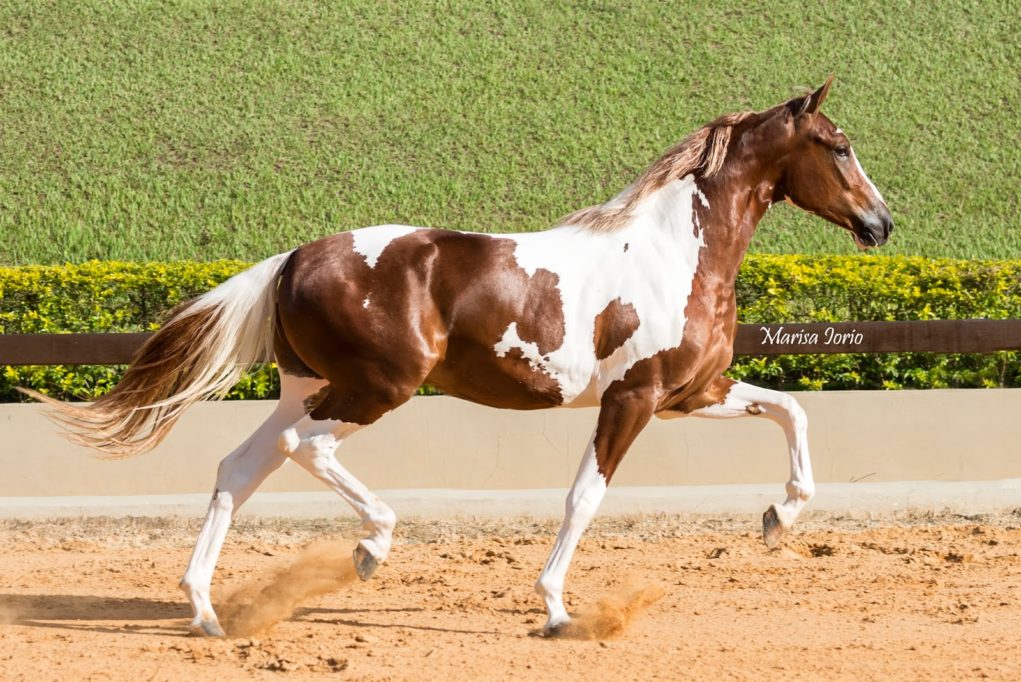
702, 153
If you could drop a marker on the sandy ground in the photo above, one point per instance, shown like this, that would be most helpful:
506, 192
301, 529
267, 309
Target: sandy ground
935, 597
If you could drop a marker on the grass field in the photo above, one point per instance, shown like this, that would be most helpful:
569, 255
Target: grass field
196, 130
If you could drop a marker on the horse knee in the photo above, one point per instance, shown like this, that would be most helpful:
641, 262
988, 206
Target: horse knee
306, 450
795, 412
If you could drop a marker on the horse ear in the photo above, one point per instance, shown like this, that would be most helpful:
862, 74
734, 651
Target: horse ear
809, 104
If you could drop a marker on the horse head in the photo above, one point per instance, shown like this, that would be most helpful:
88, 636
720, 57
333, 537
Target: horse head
821, 174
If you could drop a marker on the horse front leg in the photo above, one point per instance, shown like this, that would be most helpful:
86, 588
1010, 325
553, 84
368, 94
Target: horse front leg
744, 400
620, 421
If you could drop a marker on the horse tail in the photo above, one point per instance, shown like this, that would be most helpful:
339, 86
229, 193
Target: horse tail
200, 352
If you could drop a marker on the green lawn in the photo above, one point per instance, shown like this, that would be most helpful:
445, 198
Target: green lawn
196, 130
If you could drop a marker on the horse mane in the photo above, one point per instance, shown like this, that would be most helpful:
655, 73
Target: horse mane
701, 153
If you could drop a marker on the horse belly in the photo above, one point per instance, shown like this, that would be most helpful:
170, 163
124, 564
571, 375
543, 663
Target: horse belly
510, 380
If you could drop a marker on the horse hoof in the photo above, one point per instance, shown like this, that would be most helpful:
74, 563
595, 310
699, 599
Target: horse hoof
772, 530
554, 631
206, 628
365, 563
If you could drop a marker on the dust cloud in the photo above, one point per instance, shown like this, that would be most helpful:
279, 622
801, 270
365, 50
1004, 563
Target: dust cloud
613, 613
321, 567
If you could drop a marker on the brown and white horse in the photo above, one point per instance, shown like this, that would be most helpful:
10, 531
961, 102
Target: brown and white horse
629, 306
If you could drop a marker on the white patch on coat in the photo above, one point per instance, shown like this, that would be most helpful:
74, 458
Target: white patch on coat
365, 303
656, 279
702, 197
511, 339
370, 242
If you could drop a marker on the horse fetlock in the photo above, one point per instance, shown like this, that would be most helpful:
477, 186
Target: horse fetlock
222, 501
557, 619
556, 627
801, 492
378, 545
545, 589
380, 520
196, 596
206, 627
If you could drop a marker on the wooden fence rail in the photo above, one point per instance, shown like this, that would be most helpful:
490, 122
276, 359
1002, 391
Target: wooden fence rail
931, 336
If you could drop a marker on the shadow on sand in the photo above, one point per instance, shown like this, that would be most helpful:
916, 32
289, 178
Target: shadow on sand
118, 615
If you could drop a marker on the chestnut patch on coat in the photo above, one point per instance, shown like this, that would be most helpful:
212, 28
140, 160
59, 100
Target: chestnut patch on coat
441, 302
482, 290
715, 394
315, 400
542, 319
614, 326
686, 377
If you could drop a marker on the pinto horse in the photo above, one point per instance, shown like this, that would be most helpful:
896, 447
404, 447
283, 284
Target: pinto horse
629, 306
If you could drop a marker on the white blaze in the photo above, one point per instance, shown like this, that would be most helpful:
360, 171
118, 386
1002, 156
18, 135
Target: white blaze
863, 174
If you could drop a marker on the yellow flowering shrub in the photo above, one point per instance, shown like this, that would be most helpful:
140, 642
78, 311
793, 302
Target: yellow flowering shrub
120, 297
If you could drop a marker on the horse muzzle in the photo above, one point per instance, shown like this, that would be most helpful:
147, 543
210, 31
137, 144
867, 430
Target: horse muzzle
873, 227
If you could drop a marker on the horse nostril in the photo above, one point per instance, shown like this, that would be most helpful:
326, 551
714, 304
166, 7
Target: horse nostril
885, 220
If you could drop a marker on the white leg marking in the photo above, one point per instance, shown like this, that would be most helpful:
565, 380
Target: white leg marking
745, 400
239, 474
312, 444
582, 502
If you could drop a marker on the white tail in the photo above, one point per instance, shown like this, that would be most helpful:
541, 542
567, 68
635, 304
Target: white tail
199, 353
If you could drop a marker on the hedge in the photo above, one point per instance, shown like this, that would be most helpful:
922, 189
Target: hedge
116, 297
775, 289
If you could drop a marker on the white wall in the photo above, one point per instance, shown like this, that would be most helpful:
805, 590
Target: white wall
439, 442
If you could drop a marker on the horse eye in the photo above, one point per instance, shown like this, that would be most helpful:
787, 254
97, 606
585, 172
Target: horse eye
843, 151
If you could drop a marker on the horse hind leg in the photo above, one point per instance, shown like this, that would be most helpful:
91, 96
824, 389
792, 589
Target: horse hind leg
239, 474
312, 443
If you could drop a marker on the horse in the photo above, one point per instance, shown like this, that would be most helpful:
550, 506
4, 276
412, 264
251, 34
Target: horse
628, 306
